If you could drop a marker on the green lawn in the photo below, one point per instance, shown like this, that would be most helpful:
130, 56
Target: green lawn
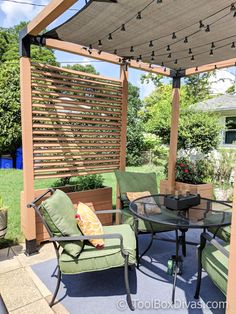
11, 183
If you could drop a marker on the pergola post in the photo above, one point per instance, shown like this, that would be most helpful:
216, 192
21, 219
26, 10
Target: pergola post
231, 288
174, 134
28, 219
124, 80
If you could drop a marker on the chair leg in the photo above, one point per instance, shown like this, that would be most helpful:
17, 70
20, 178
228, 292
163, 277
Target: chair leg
57, 287
183, 242
199, 274
128, 297
137, 250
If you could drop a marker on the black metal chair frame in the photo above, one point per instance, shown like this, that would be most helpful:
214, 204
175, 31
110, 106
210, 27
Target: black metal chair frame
57, 240
205, 237
181, 238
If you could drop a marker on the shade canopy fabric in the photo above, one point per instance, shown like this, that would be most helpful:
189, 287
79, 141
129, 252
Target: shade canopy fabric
178, 34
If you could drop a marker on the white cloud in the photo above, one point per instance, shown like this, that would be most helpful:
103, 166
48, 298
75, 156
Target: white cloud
15, 13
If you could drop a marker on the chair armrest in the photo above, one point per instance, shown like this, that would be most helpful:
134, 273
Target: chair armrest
91, 237
33, 203
110, 211
206, 237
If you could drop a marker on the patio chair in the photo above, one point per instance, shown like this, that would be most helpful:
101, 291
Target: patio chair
58, 216
222, 233
140, 182
213, 258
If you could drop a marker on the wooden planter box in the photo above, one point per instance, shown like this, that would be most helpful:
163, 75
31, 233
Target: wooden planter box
98, 199
205, 189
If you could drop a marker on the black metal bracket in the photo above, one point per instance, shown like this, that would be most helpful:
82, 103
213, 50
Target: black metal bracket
176, 82
26, 40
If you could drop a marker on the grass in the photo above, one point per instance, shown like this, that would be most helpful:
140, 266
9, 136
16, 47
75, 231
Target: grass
11, 184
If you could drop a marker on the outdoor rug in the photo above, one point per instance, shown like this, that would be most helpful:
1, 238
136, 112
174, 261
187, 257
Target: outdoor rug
151, 287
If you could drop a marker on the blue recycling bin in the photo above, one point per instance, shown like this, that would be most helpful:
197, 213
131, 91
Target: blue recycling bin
19, 158
6, 162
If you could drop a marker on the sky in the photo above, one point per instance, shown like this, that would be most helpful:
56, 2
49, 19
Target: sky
11, 13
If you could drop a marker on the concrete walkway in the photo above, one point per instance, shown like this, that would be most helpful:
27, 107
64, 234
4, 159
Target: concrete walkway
21, 290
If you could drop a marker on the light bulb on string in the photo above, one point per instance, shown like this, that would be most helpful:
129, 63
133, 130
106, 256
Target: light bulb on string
132, 49
99, 43
115, 52
196, 69
169, 55
201, 25
110, 36
213, 45
90, 47
151, 43
174, 36
153, 53
168, 48
162, 64
192, 58
211, 52
139, 16
207, 30
123, 28
190, 51
232, 7
176, 61
233, 45
159, 1
186, 40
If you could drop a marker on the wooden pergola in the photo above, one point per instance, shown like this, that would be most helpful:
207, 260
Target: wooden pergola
117, 90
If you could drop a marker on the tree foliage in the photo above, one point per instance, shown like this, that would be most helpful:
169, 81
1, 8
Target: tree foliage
196, 129
88, 68
135, 138
10, 114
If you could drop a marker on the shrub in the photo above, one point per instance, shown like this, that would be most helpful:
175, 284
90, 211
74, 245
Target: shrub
159, 151
89, 182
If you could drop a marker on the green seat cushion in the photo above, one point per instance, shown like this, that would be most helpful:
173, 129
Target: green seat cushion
143, 226
92, 259
136, 182
59, 214
223, 233
216, 265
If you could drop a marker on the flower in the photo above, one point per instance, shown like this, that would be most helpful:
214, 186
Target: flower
186, 170
181, 165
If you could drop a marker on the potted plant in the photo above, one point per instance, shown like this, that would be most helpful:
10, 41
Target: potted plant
88, 189
192, 175
3, 218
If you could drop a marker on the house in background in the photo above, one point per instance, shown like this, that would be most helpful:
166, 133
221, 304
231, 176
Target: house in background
225, 106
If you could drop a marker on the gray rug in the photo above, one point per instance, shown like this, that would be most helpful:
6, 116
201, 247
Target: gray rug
104, 293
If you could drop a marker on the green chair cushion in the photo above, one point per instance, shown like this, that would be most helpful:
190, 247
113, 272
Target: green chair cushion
216, 265
92, 259
136, 182
223, 233
59, 215
143, 226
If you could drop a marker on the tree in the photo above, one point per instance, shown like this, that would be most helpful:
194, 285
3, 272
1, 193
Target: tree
196, 129
88, 68
10, 114
135, 138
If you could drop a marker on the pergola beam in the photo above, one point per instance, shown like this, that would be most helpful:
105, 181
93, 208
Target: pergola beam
49, 14
211, 67
103, 56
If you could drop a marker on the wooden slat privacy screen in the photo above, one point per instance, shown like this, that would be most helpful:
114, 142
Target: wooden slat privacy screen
76, 122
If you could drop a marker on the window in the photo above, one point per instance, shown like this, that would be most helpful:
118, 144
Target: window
230, 133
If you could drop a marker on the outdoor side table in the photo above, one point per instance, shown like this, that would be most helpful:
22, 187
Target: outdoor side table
209, 213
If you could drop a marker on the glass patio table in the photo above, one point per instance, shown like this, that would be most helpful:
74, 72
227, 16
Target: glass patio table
208, 213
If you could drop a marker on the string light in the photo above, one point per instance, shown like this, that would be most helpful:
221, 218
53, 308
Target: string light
176, 61
201, 25
232, 7
153, 53
139, 16
190, 51
132, 49
168, 48
115, 52
196, 69
151, 43
162, 64
213, 45
169, 55
110, 36
159, 1
99, 43
211, 52
207, 30
233, 45
192, 58
186, 40
90, 46
123, 28
174, 36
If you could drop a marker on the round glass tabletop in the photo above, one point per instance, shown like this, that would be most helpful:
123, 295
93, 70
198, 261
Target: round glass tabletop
209, 213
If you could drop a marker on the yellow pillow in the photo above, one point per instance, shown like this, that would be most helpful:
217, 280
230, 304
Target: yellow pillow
89, 224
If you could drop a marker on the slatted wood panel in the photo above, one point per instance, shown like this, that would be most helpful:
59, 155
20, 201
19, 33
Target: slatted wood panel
76, 122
